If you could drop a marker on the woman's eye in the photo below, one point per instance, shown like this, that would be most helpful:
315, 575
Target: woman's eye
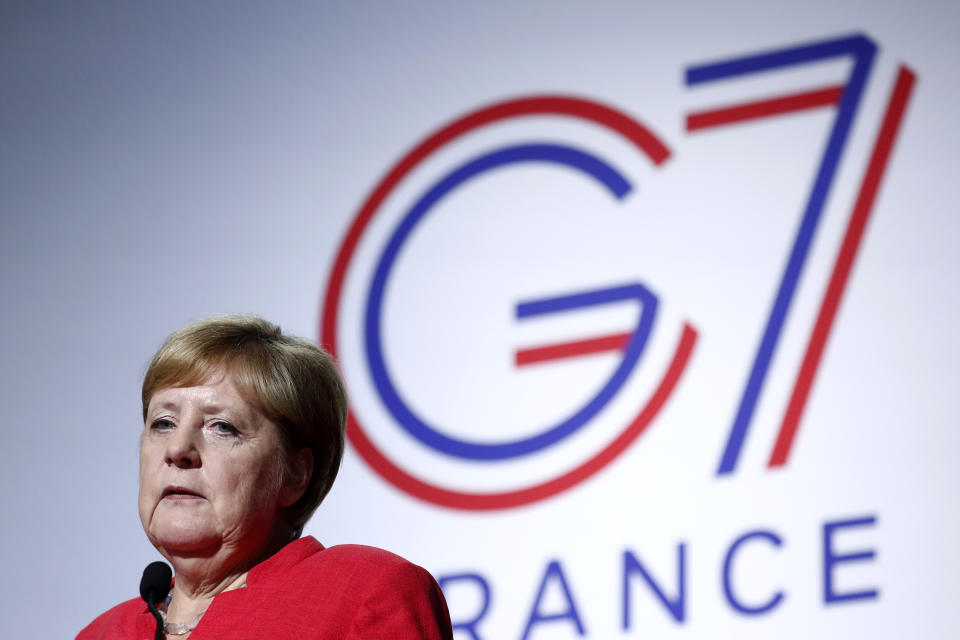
222, 428
161, 424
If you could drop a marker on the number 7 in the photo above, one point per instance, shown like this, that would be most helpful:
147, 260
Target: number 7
847, 98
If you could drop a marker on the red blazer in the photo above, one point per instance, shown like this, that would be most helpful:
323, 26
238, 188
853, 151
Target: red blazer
306, 591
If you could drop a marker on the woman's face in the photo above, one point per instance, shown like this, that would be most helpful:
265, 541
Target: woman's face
210, 471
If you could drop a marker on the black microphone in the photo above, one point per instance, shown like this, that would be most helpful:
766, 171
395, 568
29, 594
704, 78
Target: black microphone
154, 587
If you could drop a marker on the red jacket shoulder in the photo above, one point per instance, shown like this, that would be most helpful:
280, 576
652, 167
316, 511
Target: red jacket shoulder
390, 597
118, 622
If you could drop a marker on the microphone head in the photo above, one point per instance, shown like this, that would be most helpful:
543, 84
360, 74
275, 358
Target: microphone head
155, 584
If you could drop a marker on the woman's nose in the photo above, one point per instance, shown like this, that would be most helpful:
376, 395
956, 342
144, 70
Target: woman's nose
182, 447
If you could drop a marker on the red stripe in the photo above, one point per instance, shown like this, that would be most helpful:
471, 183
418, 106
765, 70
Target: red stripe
764, 108
572, 349
844, 262
486, 501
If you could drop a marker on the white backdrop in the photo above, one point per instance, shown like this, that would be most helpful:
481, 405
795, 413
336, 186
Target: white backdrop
165, 163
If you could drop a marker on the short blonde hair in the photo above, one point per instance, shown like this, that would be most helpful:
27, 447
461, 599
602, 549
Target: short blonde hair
295, 384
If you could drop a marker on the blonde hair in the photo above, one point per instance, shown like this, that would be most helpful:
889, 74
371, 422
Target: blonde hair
295, 384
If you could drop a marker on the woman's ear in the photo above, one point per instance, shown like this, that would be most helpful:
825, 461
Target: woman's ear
299, 469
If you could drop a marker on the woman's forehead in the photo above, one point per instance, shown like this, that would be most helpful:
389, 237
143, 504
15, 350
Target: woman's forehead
217, 391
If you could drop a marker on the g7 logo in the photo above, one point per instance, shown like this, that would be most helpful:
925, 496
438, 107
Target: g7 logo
442, 440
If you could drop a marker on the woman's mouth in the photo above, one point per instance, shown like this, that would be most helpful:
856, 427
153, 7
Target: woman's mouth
180, 493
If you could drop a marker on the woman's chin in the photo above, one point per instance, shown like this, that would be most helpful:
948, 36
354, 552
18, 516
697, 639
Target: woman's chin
183, 537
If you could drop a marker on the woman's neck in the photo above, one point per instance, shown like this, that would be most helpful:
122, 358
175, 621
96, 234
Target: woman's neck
201, 577
190, 599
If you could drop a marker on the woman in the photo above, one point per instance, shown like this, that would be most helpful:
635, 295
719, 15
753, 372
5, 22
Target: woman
243, 436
